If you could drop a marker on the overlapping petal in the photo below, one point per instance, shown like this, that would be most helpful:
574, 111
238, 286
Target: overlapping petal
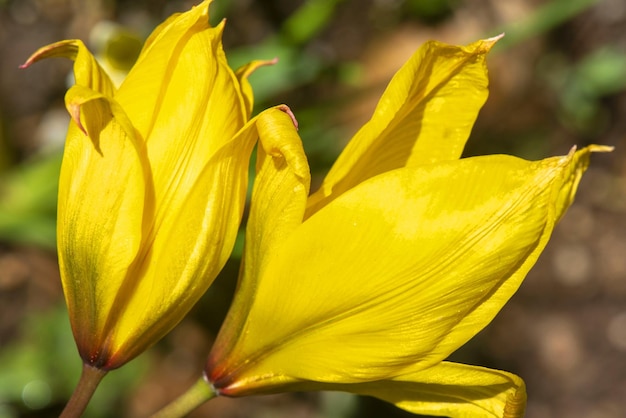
280, 193
402, 256
195, 103
394, 274
192, 261
95, 257
451, 390
153, 184
425, 115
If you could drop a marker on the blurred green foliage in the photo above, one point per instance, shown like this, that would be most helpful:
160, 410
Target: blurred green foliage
28, 201
582, 86
431, 11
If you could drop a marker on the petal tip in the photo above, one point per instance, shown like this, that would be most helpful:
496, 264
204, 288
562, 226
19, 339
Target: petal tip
62, 49
288, 111
203, 7
38, 55
490, 42
31, 60
601, 148
74, 111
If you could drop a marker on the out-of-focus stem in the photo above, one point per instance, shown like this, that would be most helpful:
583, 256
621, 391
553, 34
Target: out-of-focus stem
195, 396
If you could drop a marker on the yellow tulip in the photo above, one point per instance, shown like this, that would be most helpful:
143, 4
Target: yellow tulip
152, 185
404, 254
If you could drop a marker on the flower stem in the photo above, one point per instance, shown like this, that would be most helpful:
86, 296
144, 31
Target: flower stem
89, 380
195, 396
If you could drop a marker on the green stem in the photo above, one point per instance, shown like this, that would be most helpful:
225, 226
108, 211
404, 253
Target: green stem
195, 396
89, 380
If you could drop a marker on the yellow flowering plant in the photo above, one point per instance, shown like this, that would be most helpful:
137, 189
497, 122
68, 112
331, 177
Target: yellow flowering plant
152, 185
404, 253
366, 286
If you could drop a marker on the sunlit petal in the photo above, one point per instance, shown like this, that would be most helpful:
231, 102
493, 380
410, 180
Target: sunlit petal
195, 103
196, 260
398, 272
279, 195
96, 256
425, 115
153, 184
451, 390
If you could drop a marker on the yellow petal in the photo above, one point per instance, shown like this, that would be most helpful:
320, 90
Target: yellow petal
571, 168
183, 78
102, 193
185, 257
87, 71
281, 187
425, 115
279, 198
398, 272
153, 197
451, 390
185, 102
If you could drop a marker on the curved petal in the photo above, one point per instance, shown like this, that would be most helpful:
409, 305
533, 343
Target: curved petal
452, 390
398, 272
174, 277
87, 71
425, 116
186, 102
280, 189
103, 178
182, 78
279, 198
566, 183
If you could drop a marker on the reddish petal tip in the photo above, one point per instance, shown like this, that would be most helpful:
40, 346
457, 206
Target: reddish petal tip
288, 111
29, 61
74, 111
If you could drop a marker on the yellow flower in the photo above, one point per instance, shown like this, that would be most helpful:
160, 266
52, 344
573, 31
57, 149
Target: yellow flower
152, 184
403, 255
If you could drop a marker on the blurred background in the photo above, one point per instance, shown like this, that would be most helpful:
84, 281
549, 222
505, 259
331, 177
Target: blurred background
558, 79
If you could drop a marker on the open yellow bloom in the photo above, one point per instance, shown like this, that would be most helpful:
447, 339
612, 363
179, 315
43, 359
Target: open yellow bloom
403, 255
152, 185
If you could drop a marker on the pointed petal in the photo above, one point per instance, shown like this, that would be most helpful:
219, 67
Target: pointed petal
571, 169
87, 71
102, 194
186, 102
452, 390
279, 198
425, 115
400, 271
182, 78
178, 275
